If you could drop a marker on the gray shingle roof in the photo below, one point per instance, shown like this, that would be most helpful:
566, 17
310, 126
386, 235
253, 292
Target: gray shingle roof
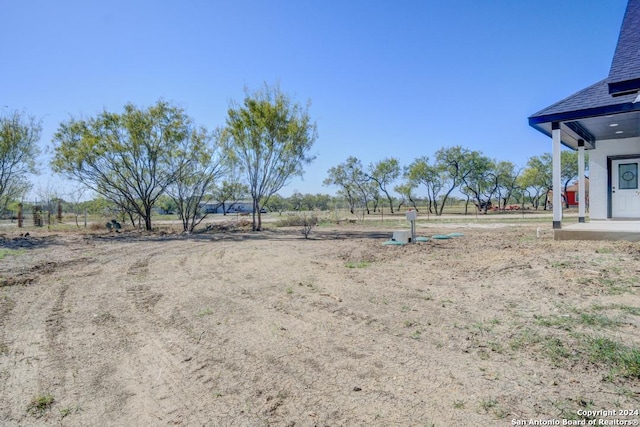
625, 66
585, 103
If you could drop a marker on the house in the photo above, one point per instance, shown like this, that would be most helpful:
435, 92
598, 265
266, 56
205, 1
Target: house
572, 195
241, 206
603, 118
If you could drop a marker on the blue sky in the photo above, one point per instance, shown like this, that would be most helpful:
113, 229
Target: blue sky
385, 78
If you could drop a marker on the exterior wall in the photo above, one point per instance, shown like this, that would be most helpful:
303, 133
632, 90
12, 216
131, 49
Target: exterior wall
598, 174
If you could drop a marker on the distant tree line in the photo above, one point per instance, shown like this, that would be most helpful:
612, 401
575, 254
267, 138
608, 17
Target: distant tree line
483, 181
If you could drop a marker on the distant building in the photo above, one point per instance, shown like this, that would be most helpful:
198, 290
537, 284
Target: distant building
241, 206
572, 195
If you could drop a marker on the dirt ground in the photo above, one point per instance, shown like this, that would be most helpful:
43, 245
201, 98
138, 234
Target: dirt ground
499, 326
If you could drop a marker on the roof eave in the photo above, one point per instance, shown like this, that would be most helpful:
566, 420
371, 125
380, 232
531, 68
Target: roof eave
570, 116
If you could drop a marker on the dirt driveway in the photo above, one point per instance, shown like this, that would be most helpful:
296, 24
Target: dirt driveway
494, 327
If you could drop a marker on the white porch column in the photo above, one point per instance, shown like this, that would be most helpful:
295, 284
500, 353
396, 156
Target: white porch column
557, 184
581, 182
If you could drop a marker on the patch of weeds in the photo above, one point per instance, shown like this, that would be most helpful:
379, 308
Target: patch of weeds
568, 409
614, 269
205, 312
621, 359
564, 322
584, 280
525, 338
10, 252
487, 404
495, 346
605, 281
567, 322
483, 354
615, 287
4, 349
40, 404
482, 327
635, 311
405, 308
289, 291
359, 264
603, 251
556, 350
416, 334
500, 413
71, 409
560, 264
458, 404
597, 320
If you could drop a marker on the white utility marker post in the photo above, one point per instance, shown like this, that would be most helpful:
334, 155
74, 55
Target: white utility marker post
411, 217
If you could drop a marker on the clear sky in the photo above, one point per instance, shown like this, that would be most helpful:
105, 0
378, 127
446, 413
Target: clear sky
385, 78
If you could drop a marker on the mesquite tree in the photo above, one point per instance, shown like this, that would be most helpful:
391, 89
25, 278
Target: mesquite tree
19, 136
126, 157
270, 137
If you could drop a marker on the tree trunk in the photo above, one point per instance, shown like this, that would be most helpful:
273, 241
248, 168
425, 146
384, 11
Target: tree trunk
133, 221
147, 218
253, 215
414, 204
390, 202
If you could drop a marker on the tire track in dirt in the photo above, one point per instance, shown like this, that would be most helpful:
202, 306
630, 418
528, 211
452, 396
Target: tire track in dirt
34, 362
170, 392
55, 329
289, 364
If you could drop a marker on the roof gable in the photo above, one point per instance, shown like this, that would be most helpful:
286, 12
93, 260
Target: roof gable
624, 75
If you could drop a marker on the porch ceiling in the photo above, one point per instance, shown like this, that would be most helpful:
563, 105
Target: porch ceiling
592, 129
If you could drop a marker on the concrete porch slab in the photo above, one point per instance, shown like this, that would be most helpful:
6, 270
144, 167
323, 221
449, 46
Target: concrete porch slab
600, 230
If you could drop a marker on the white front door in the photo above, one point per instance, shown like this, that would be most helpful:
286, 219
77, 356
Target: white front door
625, 194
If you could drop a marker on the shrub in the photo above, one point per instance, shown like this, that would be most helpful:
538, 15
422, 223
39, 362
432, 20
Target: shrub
306, 222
